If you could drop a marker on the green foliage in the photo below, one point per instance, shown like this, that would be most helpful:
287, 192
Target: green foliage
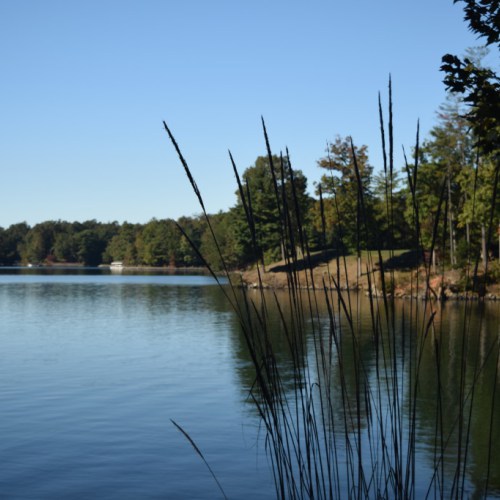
228, 245
92, 240
479, 86
484, 18
345, 213
469, 252
322, 228
269, 193
194, 228
389, 205
449, 186
480, 183
494, 272
482, 92
65, 243
429, 193
89, 248
10, 242
38, 242
122, 246
157, 243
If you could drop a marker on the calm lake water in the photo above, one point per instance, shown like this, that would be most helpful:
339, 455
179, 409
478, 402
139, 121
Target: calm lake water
94, 366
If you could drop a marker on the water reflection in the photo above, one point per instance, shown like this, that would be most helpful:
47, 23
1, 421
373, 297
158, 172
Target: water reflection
458, 394
423, 377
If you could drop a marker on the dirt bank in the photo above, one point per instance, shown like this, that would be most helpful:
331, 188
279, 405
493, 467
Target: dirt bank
401, 278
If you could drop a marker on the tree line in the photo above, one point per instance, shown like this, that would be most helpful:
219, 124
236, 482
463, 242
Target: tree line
157, 243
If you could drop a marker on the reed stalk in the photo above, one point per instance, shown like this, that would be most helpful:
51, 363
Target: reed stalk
322, 441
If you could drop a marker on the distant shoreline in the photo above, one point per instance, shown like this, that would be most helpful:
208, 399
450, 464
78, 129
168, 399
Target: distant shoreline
77, 265
441, 286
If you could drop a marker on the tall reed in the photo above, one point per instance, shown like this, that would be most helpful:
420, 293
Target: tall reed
339, 425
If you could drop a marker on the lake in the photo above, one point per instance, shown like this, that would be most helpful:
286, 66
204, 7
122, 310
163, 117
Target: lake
95, 366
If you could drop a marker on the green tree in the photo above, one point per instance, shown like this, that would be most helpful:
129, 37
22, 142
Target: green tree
194, 228
322, 223
89, 247
480, 205
227, 248
158, 243
273, 201
393, 229
11, 242
65, 243
349, 193
39, 242
428, 205
122, 246
479, 86
92, 239
445, 156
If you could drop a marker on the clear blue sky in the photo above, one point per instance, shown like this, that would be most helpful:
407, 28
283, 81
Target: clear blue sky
85, 87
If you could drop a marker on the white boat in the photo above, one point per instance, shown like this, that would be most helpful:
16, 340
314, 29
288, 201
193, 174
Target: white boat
116, 266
